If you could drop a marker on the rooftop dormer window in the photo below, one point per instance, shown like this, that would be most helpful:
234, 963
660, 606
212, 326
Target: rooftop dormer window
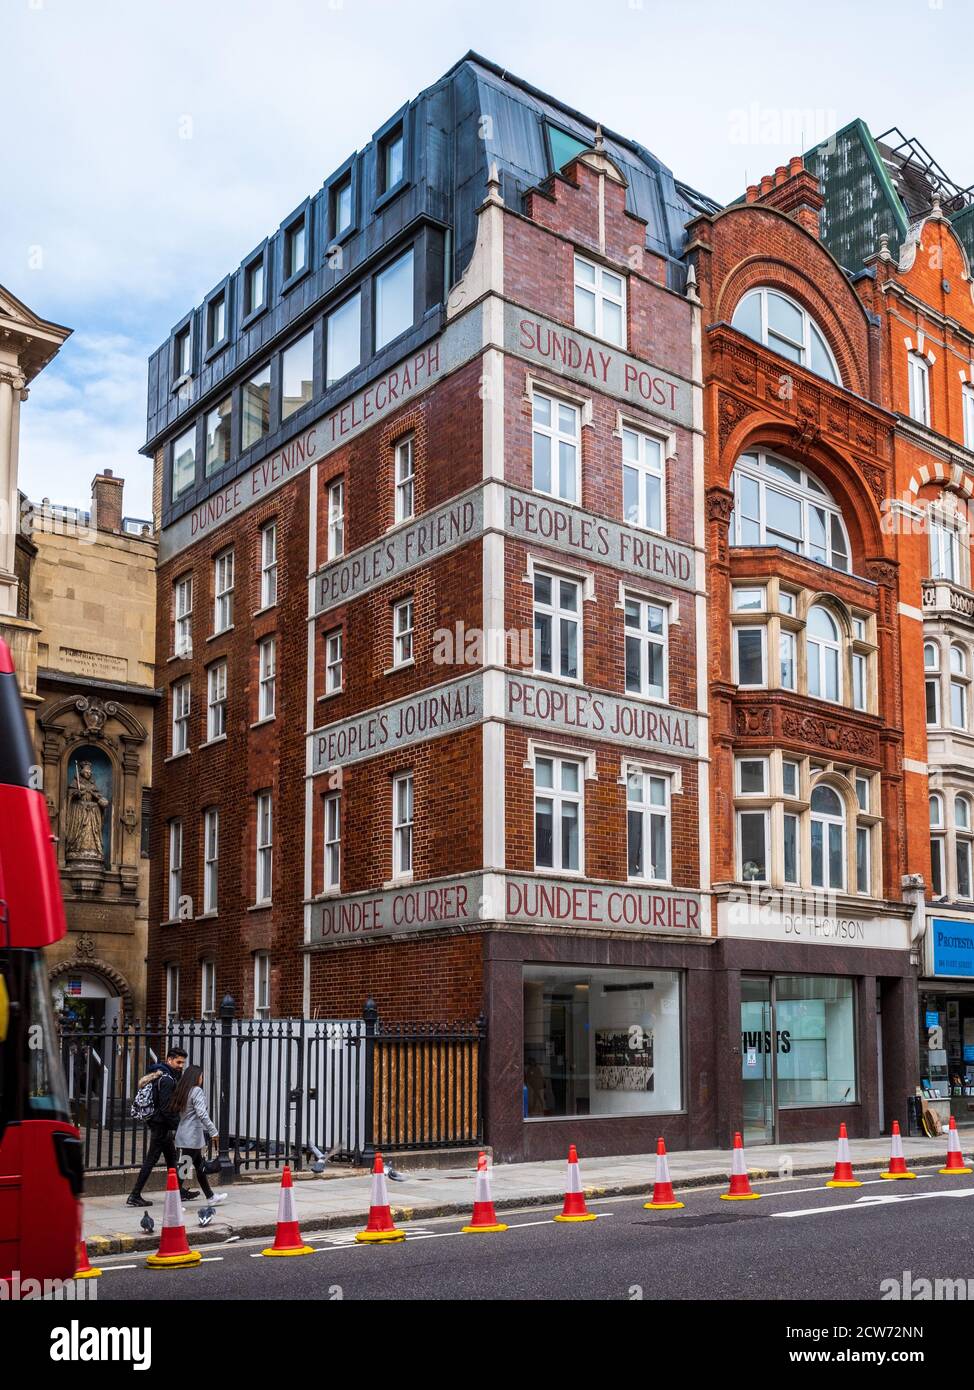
254, 286
772, 318
296, 247
182, 353
391, 160
342, 207
216, 320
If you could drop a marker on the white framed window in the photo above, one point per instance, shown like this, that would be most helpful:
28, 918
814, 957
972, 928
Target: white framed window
790, 777
208, 989
211, 859
824, 653
175, 868
265, 847
216, 700
749, 655
827, 839
967, 401
863, 870
918, 370
555, 448
402, 825
958, 686
752, 846
752, 776
267, 678
557, 625
944, 549
646, 650
648, 826
262, 984
748, 600
962, 846
172, 991
600, 301
787, 664
404, 479
402, 632
772, 318
183, 616
336, 519
778, 503
181, 698
791, 852
643, 473
862, 793
268, 564
223, 591
334, 662
333, 840
558, 814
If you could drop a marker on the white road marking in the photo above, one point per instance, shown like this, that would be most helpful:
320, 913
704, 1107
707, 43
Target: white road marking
798, 1191
864, 1203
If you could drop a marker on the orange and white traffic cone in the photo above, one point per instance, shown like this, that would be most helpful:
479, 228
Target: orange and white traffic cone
955, 1159
85, 1270
574, 1208
663, 1198
740, 1185
897, 1163
173, 1245
843, 1176
380, 1227
484, 1217
287, 1237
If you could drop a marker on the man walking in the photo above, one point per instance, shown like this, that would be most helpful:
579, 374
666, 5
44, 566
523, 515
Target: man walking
161, 1126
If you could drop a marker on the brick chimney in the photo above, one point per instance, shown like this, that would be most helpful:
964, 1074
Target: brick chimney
106, 501
792, 190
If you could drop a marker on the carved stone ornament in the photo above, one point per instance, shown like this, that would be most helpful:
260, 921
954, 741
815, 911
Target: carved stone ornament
85, 947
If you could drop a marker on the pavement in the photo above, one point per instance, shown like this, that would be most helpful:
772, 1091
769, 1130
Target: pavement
340, 1197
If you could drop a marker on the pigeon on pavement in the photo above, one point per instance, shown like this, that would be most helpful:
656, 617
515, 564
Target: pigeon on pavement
206, 1215
147, 1223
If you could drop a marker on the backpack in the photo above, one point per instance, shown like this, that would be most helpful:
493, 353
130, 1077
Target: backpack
144, 1103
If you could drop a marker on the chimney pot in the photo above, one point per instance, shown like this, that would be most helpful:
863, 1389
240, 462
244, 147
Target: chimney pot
752, 192
767, 183
780, 175
795, 165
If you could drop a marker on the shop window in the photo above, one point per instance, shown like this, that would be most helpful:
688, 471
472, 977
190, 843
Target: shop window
601, 1042
815, 1018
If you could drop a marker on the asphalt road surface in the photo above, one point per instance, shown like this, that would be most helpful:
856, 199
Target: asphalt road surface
800, 1241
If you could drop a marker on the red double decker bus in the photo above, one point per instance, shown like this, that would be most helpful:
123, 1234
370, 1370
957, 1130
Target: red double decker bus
40, 1150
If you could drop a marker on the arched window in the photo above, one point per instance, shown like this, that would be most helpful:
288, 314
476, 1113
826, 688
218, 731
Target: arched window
828, 839
931, 656
824, 650
778, 503
936, 845
958, 687
963, 847
772, 318
958, 661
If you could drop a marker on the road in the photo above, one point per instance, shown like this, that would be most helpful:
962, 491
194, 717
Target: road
800, 1241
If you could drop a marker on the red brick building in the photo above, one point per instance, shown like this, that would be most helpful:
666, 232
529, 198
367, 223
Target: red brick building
809, 702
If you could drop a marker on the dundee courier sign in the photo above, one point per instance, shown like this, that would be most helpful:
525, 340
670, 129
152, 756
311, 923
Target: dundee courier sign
490, 898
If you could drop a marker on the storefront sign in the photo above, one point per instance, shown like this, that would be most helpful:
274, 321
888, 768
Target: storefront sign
562, 902
425, 907
430, 536
763, 915
418, 718
596, 364
612, 718
953, 947
574, 532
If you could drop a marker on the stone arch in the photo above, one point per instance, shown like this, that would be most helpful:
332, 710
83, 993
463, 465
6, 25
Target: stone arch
112, 977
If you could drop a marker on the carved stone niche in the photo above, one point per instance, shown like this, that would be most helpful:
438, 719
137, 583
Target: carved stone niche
91, 750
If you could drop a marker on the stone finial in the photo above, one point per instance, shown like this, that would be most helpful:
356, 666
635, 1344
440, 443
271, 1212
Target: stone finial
884, 252
935, 211
692, 284
599, 143
494, 185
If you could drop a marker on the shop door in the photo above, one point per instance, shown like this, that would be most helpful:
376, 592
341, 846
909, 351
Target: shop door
758, 1060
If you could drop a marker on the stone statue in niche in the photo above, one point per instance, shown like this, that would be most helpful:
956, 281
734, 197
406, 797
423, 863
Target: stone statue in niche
86, 815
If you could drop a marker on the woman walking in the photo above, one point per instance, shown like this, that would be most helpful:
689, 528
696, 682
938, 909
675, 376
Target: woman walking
189, 1103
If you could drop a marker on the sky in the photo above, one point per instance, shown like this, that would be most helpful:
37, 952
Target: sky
153, 143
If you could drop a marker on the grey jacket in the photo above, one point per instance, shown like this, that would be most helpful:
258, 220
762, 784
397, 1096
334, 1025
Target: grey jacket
194, 1122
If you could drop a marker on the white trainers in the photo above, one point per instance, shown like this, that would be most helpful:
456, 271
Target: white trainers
217, 1197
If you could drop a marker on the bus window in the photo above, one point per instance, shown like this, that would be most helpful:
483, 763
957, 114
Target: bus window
46, 1096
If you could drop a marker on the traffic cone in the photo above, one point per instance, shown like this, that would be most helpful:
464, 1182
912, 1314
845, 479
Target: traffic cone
484, 1217
843, 1175
740, 1186
663, 1198
85, 1269
897, 1163
380, 1227
287, 1237
173, 1245
574, 1208
955, 1159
